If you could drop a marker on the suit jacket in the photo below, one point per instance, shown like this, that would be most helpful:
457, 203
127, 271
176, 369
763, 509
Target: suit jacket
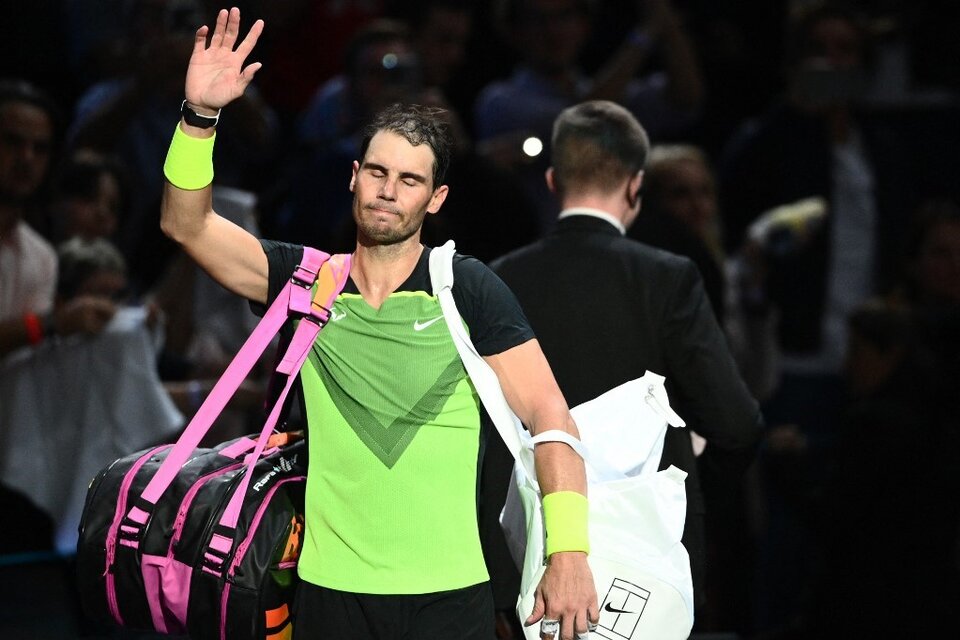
606, 309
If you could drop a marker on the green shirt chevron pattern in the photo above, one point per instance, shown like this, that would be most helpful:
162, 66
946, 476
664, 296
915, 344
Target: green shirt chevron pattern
394, 449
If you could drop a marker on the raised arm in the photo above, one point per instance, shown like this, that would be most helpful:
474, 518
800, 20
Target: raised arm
661, 27
215, 78
566, 592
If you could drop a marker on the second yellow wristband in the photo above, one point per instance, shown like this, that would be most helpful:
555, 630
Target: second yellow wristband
565, 521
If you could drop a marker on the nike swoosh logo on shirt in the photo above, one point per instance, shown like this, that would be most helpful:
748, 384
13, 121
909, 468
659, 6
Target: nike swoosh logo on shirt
420, 326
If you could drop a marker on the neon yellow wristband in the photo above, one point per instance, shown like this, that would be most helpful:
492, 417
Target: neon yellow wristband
189, 163
565, 521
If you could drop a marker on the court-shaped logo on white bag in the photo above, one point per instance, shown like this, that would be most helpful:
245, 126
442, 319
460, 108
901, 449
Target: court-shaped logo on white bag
621, 610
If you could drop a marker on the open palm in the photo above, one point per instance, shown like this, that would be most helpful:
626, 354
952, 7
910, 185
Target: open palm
216, 76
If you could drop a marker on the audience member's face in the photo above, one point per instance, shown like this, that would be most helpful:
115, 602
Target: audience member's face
688, 193
96, 216
938, 264
26, 138
838, 43
832, 70
104, 283
441, 44
867, 366
393, 189
551, 34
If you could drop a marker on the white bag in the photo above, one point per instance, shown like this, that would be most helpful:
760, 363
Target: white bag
640, 568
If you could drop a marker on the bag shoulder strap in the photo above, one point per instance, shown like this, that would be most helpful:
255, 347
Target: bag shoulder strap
295, 300
484, 379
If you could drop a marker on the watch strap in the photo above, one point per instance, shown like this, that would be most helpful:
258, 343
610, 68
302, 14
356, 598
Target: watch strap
195, 119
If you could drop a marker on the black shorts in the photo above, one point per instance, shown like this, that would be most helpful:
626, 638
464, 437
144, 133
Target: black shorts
320, 613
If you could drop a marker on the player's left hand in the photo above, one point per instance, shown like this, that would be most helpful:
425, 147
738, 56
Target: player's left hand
566, 593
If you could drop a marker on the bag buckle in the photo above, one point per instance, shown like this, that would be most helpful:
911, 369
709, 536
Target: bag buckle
303, 277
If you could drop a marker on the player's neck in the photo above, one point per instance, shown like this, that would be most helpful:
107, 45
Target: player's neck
378, 270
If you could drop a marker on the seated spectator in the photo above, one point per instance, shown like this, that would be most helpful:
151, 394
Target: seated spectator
28, 263
96, 398
549, 36
89, 198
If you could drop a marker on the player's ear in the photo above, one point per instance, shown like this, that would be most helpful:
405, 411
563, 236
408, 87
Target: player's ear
436, 200
353, 176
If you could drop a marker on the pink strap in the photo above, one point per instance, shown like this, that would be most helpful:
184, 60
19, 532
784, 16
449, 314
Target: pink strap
294, 298
329, 287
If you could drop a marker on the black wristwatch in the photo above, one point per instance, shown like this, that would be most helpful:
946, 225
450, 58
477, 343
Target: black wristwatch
195, 119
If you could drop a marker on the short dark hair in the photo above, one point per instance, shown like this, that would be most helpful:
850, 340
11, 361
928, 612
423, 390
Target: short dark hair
80, 175
597, 144
418, 125
801, 23
79, 259
662, 161
22, 92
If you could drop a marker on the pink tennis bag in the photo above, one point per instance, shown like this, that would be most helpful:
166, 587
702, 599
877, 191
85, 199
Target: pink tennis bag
177, 539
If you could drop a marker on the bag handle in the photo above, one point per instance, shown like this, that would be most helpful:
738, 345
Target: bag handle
294, 300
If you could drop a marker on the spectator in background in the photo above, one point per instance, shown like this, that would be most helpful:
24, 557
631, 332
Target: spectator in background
28, 263
380, 68
440, 31
817, 142
90, 267
932, 277
680, 214
71, 406
27, 140
89, 198
549, 36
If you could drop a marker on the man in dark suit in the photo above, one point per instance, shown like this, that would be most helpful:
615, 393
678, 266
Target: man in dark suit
607, 308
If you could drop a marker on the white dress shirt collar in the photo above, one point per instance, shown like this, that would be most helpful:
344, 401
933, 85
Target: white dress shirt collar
595, 213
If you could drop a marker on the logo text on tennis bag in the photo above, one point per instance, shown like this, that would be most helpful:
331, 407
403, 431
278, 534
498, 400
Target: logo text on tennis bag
283, 466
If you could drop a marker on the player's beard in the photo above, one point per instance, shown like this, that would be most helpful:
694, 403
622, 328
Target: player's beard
372, 230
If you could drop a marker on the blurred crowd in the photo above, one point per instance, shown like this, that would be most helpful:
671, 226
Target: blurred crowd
805, 158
